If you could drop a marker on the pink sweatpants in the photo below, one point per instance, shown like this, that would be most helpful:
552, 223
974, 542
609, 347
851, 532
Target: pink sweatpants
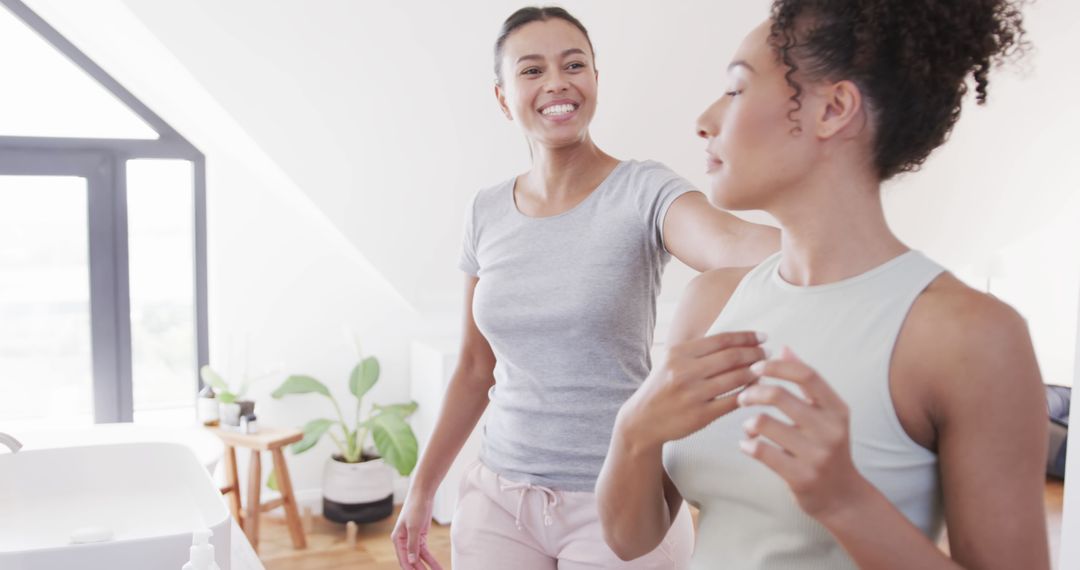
501, 524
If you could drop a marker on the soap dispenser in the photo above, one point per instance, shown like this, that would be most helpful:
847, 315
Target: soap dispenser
202, 552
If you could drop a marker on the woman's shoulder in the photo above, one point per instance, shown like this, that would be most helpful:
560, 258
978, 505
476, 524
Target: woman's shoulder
491, 201
653, 170
962, 346
651, 187
964, 322
495, 192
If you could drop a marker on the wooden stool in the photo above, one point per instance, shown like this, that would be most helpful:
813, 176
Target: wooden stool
267, 439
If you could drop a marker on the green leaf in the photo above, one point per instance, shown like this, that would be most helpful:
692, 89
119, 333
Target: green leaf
313, 430
271, 482
226, 397
213, 378
364, 376
395, 441
403, 410
300, 385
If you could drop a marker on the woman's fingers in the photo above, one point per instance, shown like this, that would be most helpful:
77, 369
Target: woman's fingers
788, 437
678, 396
717, 342
711, 382
413, 548
789, 367
727, 383
724, 361
401, 549
801, 412
720, 406
814, 454
429, 558
412, 551
783, 463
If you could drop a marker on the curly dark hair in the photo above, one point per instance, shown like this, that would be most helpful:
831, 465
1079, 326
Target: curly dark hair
910, 58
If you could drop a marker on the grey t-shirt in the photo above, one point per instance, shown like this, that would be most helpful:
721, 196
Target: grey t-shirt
568, 303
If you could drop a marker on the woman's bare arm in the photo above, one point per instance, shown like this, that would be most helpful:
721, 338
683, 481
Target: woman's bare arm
705, 237
465, 401
637, 500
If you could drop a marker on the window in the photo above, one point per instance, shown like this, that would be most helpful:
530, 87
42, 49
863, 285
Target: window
45, 351
46, 95
161, 275
102, 243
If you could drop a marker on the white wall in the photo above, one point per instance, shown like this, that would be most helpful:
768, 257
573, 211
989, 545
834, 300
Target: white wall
1002, 200
1039, 275
383, 113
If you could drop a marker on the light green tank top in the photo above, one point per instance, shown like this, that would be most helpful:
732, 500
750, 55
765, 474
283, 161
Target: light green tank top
846, 331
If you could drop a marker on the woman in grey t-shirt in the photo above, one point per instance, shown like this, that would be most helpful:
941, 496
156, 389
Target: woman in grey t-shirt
563, 266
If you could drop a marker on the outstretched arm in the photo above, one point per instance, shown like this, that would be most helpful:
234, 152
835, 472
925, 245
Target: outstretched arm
705, 237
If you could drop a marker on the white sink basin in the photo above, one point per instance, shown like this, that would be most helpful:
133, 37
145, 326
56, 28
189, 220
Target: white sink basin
148, 497
205, 445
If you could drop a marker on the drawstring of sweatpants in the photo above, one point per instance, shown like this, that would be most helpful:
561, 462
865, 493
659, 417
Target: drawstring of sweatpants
551, 500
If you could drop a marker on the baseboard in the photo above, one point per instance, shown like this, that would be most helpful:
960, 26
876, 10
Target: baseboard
312, 498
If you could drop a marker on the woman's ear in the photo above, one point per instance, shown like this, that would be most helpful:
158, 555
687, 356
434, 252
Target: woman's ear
500, 96
843, 106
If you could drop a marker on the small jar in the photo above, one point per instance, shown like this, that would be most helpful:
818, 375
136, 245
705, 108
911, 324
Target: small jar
207, 407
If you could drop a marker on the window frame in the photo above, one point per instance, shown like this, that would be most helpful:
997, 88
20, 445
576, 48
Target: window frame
103, 163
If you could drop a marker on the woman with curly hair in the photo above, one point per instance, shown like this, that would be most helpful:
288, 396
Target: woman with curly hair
914, 401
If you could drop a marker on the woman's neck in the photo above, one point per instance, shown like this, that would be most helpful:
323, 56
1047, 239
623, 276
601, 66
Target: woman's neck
564, 172
834, 228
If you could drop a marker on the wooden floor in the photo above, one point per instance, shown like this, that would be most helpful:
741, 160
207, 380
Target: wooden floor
1055, 496
328, 549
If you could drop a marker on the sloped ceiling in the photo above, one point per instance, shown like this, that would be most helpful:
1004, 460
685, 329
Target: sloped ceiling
382, 112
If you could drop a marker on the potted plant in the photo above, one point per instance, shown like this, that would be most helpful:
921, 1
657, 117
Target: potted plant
230, 403
358, 483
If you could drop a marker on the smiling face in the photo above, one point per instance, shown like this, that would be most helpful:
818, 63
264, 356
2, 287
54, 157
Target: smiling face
548, 82
754, 149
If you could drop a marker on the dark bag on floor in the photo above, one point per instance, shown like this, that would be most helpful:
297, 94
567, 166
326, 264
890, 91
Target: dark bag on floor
1057, 405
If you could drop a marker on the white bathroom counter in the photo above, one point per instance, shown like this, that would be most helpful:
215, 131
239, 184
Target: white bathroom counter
243, 556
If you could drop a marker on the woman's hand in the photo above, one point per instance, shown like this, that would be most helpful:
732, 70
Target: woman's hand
814, 453
410, 534
690, 388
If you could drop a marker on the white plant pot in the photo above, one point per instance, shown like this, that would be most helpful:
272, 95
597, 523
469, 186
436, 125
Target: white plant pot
360, 492
229, 415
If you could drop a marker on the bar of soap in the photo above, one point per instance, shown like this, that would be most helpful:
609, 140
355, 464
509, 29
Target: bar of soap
91, 534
